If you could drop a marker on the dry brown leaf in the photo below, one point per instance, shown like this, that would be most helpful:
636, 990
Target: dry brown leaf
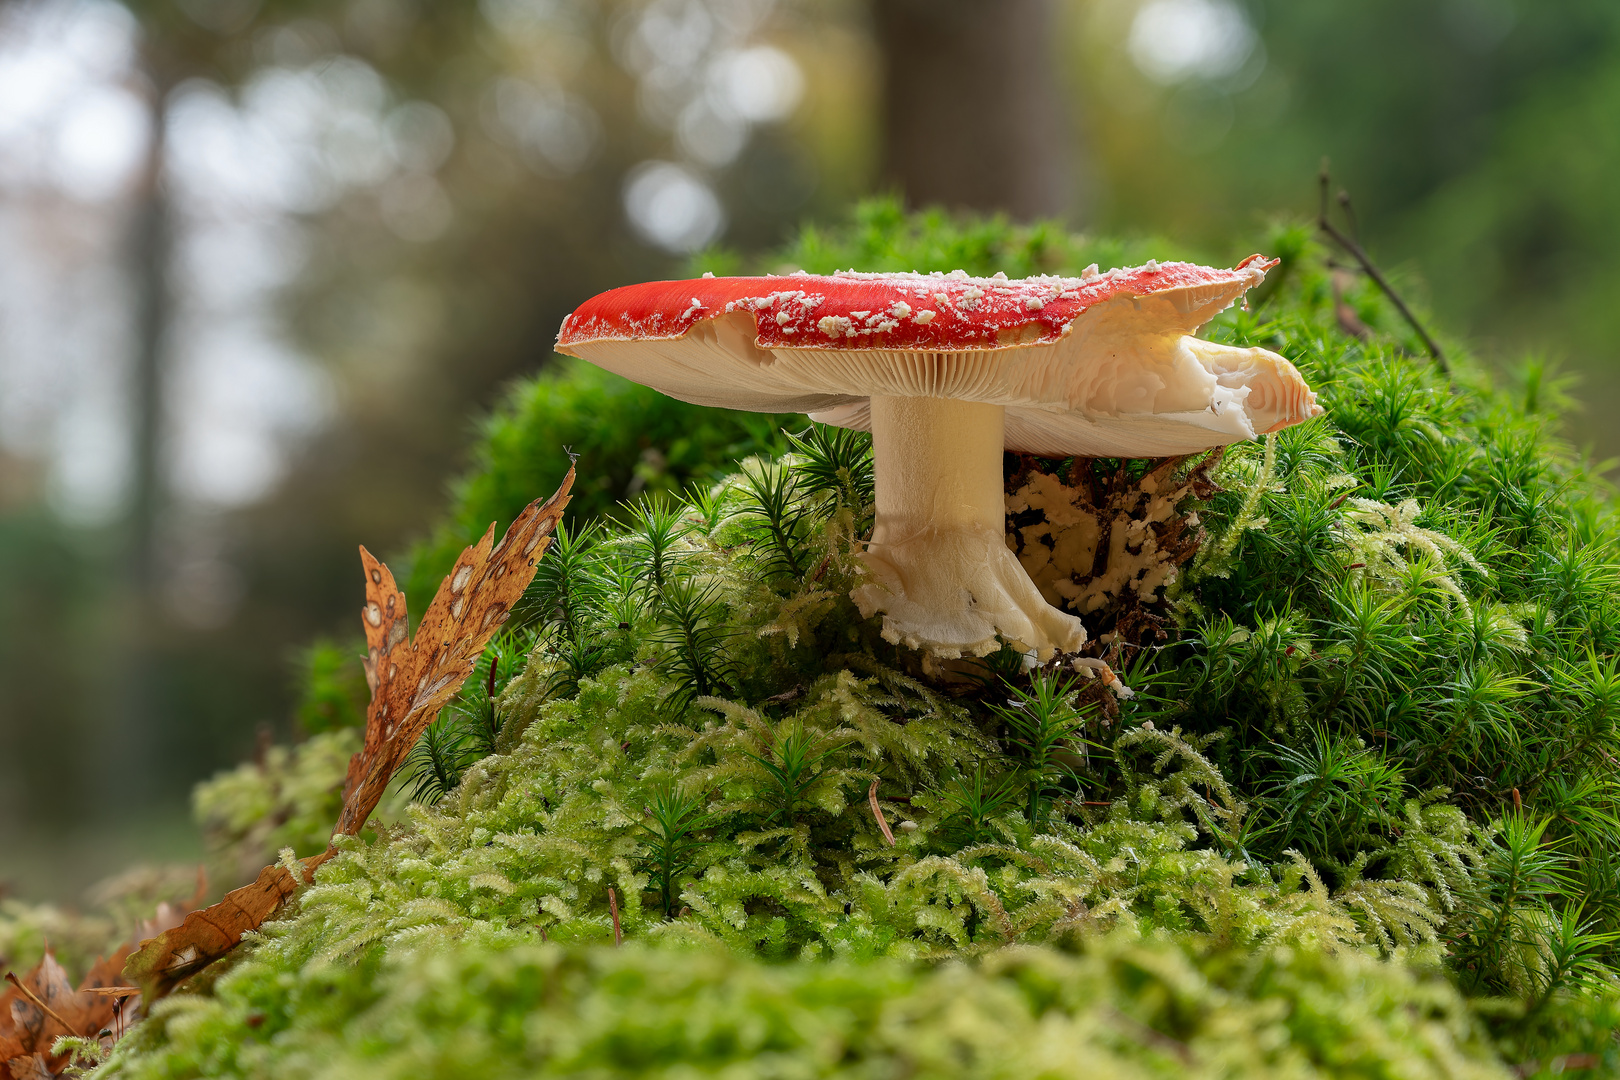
206, 935
411, 680
11, 1045
41, 1006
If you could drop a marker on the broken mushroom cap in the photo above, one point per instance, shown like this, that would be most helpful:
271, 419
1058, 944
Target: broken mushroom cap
946, 371
1102, 365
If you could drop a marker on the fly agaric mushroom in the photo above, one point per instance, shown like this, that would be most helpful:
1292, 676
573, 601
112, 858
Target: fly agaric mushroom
946, 371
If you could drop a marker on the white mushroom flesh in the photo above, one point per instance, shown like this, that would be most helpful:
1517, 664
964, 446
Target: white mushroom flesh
941, 573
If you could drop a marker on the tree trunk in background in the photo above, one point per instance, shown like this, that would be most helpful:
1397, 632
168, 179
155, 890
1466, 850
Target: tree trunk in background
149, 259
973, 106
129, 746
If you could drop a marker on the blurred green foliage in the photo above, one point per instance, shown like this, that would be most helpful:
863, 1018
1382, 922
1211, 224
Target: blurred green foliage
55, 592
628, 440
332, 692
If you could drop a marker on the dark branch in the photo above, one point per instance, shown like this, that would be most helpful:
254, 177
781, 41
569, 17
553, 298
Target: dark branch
1355, 250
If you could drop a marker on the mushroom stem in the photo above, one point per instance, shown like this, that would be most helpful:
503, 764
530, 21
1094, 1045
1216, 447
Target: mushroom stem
940, 569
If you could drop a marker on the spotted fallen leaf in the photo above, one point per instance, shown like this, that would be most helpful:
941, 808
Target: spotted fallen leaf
41, 1006
410, 680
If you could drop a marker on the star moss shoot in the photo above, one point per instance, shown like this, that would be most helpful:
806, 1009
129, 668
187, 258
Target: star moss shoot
1358, 816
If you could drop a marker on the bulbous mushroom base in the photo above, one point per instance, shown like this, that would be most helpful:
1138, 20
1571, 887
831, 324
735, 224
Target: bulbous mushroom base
959, 591
941, 572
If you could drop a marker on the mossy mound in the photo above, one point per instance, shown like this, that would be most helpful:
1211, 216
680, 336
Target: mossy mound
1358, 817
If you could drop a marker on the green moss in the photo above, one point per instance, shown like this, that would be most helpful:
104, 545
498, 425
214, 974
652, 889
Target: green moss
881, 236
496, 1005
1358, 819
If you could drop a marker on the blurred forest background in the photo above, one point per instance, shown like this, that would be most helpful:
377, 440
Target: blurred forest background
263, 264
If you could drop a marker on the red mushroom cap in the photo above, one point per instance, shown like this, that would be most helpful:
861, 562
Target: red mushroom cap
1101, 365
850, 310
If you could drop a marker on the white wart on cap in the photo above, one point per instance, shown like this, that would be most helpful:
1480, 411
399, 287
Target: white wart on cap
946, 371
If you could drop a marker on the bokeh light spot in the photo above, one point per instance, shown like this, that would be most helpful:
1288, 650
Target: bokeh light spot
1174, 40
100, 142
760, 84
672, 208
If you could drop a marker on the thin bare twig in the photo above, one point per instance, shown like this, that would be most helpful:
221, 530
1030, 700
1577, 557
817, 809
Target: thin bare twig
1349, 214
877, 812
613, 905
1349, 244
